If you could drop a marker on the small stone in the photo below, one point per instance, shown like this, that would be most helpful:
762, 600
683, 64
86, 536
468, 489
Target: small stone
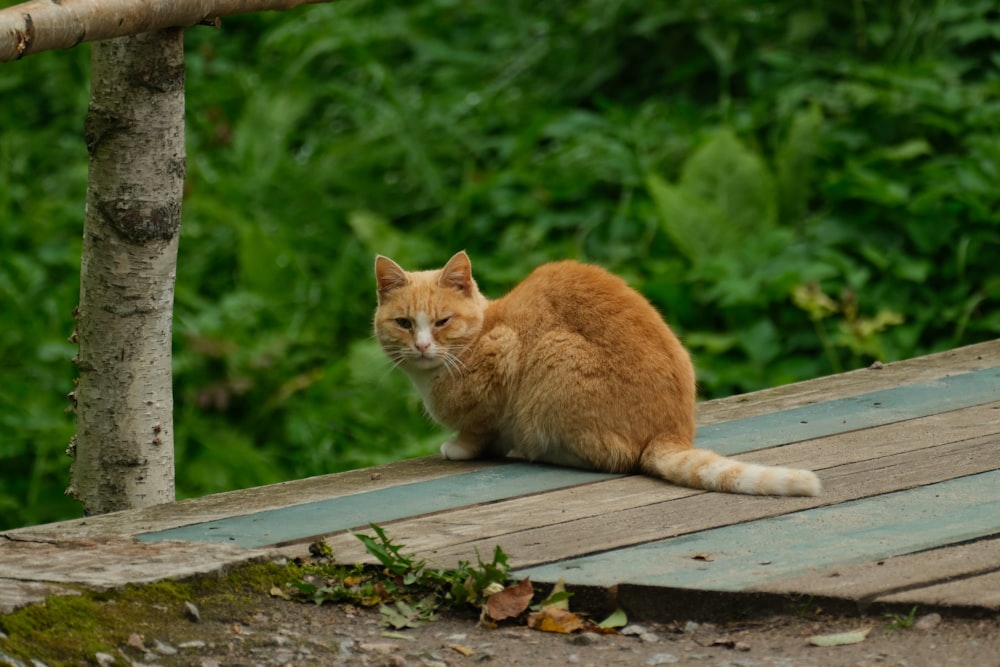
662, 659
485, 652
163, 649
742, 662
379, 647
584, 639
193, 644
104, 659
691, 626
191, 612
135, 641
928, 621
634, 630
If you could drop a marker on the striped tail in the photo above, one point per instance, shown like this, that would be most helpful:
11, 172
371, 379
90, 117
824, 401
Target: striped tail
704, 469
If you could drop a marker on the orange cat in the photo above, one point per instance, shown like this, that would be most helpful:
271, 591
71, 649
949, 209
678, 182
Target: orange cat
571, 367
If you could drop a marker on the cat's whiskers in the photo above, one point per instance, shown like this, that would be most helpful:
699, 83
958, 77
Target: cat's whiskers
453, 364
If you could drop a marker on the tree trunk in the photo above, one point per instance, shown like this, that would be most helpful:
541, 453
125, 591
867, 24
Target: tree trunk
135, 138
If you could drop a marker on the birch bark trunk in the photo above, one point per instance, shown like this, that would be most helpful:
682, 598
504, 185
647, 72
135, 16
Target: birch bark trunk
135, 138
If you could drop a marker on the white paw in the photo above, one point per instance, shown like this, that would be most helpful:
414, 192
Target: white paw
453, 451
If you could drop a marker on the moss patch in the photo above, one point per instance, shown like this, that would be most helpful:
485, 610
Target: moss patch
71, 629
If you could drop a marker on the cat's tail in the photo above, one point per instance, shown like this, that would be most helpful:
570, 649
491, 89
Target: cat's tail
685, 465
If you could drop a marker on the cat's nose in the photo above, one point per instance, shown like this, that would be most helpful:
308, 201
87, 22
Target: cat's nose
423, 345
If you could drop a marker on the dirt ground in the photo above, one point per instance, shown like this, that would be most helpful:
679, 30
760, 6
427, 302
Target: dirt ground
278, 632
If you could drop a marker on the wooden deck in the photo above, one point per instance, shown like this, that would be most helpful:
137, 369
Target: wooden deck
909, 456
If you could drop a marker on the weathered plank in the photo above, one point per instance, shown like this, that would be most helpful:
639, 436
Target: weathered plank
953, 573
245, 501
335, 514
852, 383
979, 592
622, 512
744, 556
853, 413
29, 569
15, 594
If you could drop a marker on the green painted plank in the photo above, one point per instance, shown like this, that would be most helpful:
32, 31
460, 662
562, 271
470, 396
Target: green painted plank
335, 514
509, 481
853, 413
743, 556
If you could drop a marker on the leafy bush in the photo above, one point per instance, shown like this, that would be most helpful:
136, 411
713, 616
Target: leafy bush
800, 188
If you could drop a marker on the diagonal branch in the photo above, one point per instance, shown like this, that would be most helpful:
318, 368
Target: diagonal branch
41, 25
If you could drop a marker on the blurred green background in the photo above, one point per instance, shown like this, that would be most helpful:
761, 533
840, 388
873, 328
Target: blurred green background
800, 187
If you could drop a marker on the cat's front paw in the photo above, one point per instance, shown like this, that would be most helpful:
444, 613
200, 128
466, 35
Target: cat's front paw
453, 450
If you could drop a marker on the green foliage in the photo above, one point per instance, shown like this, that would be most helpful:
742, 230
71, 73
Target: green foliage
407, 590
741, 163
897, 621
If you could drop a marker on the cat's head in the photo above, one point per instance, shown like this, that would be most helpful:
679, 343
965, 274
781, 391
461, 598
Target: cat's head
425, 318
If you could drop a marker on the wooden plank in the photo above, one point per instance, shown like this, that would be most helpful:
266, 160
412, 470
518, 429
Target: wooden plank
744, 556
31, 570
856, 412
917, 577
632, 510
328, 516
981, 592
15, 594
852, 383
357, 511
245, 501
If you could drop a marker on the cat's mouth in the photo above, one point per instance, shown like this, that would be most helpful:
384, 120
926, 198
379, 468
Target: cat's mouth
425, 360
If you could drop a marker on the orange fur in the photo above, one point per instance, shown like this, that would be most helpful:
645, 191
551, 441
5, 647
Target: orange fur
572, 367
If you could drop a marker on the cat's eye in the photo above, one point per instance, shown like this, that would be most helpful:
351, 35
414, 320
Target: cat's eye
443, 321
404, 323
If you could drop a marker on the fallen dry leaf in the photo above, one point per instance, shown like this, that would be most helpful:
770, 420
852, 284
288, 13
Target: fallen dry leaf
277, 592
510, 602
464, 650
553, 619
708, 558
840, 638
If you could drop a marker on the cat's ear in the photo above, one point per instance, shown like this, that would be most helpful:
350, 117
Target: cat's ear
457, 274
389, 276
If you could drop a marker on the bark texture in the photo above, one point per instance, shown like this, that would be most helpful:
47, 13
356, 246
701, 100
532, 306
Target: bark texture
40, 25
135, 139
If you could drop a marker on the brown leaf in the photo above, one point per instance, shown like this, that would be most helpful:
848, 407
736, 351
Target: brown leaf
553, 619
708, 558
464, 650
510, 602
